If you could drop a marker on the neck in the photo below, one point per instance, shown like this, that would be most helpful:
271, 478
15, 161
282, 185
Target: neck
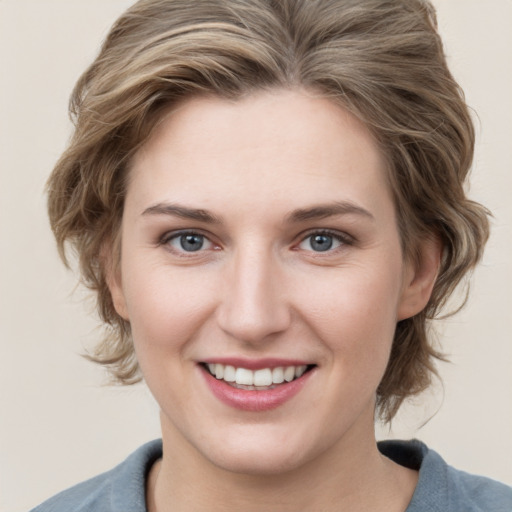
353, 476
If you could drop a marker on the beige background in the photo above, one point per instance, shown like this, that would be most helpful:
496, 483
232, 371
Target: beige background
58, 425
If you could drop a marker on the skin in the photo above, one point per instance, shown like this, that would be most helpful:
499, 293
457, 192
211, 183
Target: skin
259, 288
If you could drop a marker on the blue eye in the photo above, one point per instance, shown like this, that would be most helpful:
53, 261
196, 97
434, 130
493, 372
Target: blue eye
189, 242
321, 242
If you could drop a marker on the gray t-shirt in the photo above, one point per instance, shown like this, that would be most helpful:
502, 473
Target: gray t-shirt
440, 488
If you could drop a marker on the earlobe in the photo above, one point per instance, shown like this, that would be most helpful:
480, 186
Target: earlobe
419, 278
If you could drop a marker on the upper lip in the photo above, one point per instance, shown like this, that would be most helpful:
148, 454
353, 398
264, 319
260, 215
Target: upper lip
256, 364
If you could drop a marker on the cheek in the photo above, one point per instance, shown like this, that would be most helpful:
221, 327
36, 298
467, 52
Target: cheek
166, 307
354, 311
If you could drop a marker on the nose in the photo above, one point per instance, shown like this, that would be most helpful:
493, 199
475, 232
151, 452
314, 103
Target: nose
254, 307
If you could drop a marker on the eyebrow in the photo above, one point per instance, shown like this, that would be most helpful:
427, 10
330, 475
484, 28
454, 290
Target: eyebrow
323, 211
182, 211
316, 212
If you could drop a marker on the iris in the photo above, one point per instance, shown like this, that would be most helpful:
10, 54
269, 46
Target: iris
321, 242
191, 242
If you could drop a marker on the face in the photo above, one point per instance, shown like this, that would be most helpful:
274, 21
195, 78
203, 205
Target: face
260, 244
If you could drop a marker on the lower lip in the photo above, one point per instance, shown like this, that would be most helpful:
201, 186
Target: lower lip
252, 400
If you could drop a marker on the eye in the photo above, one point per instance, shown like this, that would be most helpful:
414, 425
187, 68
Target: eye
323, 241
188, 242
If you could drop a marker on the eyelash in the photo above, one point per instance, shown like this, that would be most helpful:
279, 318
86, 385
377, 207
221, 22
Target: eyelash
342, 238
176, 235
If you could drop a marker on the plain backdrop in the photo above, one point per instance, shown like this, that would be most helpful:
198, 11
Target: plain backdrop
58, 423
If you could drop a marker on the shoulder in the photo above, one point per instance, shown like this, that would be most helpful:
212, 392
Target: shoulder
94, 494
483, 493
443, 488
121, 489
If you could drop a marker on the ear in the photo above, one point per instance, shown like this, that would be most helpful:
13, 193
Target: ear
113, 277
115, 286
420, 277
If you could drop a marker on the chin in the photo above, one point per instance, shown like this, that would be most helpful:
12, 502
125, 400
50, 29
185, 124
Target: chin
256, 462
258, 453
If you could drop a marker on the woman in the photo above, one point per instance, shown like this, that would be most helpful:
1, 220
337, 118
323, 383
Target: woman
267, 198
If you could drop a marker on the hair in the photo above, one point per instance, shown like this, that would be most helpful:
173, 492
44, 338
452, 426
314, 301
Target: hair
382, 60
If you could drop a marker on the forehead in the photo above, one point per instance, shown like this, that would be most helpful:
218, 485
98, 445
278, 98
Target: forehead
281, 147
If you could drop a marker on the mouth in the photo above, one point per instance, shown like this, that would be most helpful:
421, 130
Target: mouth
262, 379
266, 386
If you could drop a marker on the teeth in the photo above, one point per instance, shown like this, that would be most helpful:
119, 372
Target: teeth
219, 371
244, 376
258, 378
263, 377
299, 370
289, 373
229, 373
278, 375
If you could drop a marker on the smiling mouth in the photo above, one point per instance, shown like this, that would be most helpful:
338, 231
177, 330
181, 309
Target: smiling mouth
256, 380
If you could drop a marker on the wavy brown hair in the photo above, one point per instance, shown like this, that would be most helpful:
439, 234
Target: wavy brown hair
382, 60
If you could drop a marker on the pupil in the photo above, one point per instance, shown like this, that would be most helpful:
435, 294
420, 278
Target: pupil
321, 242
191, 242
